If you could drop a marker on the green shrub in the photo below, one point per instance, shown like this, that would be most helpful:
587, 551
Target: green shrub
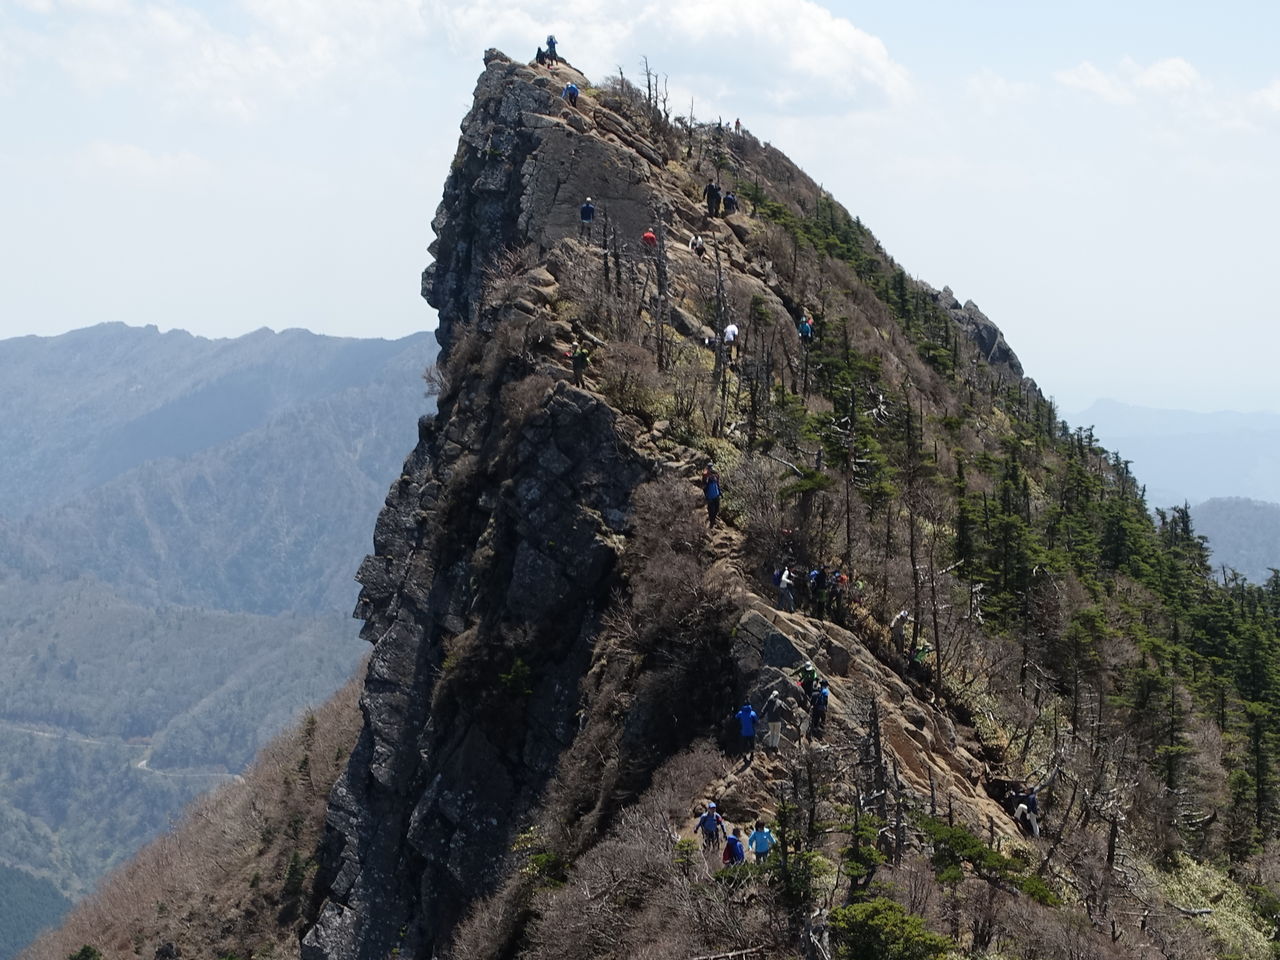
881, 929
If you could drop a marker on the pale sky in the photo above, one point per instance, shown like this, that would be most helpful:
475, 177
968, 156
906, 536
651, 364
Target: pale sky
1100, 178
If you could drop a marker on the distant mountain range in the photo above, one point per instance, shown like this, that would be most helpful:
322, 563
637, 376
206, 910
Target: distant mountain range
180, 523
1225, 464
1183, 456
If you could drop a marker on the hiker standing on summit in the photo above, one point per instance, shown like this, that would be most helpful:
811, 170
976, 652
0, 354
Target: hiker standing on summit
551, 50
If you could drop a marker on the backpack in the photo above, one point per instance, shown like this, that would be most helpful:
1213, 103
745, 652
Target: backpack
731, 849
777, 577
713, 489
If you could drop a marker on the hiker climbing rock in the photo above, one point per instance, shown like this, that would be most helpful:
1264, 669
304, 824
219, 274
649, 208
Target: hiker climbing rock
552, 56
587, 216
711, 826
570, 93
807, 677
774, 711
734, 853
730, 336
818, 709
712, 193
805, 329
783, 580
580, 356
649, 239
761, 841
697, 245
730, 203
1027, 811
818, 591
711, 490
747, 718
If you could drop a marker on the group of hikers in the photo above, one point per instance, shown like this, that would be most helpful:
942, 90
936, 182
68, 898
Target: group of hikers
715, 196
815, 697
548, 57
713, 829
828, 588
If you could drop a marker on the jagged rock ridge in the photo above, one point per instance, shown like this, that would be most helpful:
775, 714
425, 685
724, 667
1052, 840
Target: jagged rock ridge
499, 552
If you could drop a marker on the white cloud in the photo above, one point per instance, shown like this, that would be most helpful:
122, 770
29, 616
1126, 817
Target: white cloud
791, 52
1090, 79
173, 52
991, 90
132, 162
1268, 97
1170, 77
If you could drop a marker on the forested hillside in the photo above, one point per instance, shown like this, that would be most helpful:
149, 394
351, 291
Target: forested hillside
185, 517
583, 578
31, 904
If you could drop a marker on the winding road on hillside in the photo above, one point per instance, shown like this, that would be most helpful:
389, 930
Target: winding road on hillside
142, 763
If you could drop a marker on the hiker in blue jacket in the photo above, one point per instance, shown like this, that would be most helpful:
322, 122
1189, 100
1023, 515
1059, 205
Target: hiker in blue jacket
587, 212
747, 718
711, 490
570, 93
734, 853
761, 841
711, 826
818, 709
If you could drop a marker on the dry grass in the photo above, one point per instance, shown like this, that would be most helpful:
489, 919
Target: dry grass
235, 874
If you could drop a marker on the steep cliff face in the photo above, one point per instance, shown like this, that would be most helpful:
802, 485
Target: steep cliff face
496, 552
524, 522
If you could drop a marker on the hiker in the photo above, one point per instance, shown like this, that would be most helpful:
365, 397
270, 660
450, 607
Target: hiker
552, 56
711, 826
730, 335
697, 246
773, 710
747, 718
761, 841
541, 57
730, 203
712, 192
711, 490
649, 239
570, 93
805, 330
734, 853
587, 215
807, 677
786, 598
818, 709
737, 127
898, 630
1027, 810
837, 585
580, 357
818, 590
